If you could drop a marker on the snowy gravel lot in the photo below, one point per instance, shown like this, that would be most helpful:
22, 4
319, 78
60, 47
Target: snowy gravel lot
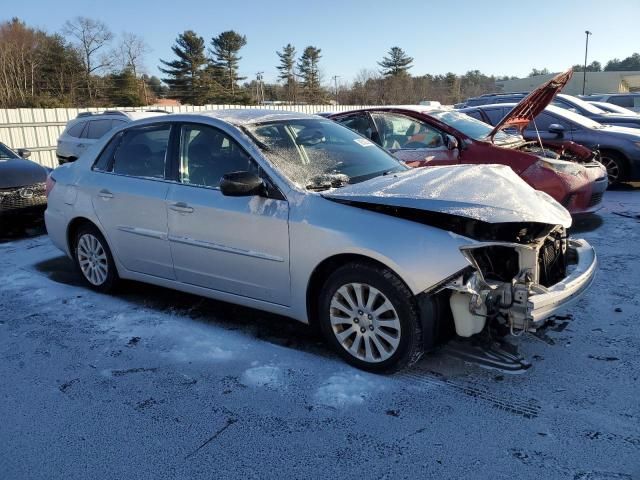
155, 384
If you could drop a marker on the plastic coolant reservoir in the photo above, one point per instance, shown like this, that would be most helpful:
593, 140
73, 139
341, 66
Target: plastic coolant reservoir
466, 323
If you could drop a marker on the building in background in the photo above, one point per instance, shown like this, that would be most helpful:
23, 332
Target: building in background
597, 82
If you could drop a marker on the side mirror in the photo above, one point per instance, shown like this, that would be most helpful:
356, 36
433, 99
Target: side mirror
556, 128
452, 142
242, 184
24, 153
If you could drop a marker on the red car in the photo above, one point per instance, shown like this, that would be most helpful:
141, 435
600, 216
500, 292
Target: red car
423, 136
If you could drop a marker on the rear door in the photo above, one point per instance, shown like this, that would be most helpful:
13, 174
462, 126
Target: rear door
129, 189
237, 245
415, 142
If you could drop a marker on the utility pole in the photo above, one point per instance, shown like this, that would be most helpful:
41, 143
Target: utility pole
335, 82
259, 88
586, 48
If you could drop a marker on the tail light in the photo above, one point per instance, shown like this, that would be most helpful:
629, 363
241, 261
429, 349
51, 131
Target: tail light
48, 186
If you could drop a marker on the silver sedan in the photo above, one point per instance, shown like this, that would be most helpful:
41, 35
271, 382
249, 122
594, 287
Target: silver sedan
300, 216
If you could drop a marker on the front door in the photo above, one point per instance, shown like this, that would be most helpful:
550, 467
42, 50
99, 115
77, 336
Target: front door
237, 245
413, 141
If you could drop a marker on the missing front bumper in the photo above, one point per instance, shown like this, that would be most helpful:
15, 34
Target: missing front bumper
523, 305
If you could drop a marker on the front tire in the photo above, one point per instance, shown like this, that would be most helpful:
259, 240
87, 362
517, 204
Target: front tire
615, 165
370, 318
94, 260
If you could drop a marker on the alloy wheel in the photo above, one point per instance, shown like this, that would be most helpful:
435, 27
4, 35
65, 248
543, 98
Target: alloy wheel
92, 259
613, 169
365, 322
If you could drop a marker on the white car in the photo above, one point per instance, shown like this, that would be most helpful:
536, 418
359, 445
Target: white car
87, 128
300, 216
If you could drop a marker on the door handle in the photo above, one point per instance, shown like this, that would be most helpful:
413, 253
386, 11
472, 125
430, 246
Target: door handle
105, 194
181, 207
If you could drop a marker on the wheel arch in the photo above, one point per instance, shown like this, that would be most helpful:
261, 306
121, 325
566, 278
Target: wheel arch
73, 227
322, 271
620, 154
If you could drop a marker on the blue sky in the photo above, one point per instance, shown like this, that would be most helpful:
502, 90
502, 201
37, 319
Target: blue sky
451, 36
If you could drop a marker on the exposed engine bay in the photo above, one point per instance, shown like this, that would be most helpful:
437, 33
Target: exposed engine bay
561, 150
503, 278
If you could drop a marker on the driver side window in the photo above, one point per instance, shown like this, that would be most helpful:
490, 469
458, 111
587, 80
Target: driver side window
206, 154
403, 132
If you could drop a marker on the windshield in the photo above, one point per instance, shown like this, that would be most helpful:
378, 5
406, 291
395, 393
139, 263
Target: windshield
581, 104
470, 126
317, 153
574, 117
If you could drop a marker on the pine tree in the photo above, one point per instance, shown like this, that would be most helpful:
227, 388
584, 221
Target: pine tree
396, 63
186, 73
125, 89
225, 58
310, 73
287, 69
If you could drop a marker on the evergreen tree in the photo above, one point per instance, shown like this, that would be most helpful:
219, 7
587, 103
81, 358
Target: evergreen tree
225, 58
396, 63
310, 73
125, 89
287, 69
186, 74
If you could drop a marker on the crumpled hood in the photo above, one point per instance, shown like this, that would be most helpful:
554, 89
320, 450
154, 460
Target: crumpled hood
18, 172
489, 193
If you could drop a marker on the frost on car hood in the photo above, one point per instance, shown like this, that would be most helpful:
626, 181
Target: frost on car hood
489, 193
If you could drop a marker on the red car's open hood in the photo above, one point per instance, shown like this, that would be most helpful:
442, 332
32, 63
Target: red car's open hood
533, 104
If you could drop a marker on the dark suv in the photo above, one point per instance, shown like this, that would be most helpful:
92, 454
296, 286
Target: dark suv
568, 102
626, 100
619, 147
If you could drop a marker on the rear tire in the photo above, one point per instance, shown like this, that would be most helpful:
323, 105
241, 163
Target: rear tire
370, 318
94, 260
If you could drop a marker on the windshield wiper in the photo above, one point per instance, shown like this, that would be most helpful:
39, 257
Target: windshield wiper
326, 181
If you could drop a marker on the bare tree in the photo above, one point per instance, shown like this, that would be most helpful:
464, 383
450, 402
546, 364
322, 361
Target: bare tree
91, 38
132, 50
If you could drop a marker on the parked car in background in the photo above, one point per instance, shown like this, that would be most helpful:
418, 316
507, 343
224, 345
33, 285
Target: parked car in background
619, 146
422, 136
320, 224
611, 108
22, 186
568, 102
629, 100
89, 127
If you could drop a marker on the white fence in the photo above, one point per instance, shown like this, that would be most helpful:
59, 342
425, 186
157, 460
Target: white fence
38, 129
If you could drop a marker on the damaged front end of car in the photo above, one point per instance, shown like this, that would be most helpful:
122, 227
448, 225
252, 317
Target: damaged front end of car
518, 285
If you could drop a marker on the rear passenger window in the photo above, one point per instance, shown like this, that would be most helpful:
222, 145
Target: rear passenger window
143, 152
76, 130
622, 100
97, 128
494, 114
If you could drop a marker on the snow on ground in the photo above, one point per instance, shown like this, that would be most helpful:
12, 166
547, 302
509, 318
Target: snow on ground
151, 383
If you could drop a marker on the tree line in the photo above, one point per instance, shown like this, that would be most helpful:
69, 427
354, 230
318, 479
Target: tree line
85, 64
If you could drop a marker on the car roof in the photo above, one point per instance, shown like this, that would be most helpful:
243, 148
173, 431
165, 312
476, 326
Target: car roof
245, 116
548, 108
411, 108
114, 114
